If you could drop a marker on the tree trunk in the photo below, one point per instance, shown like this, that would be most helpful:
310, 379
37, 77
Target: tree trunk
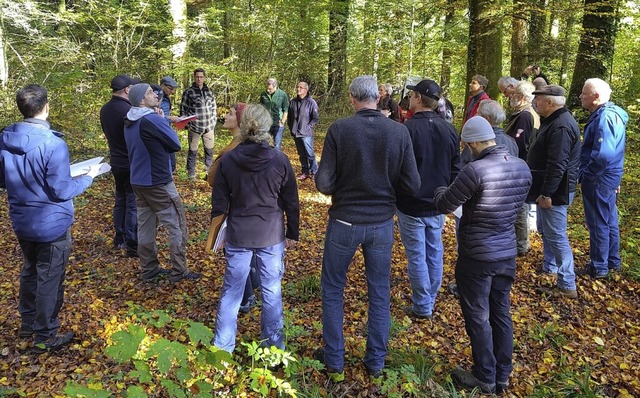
595, 52
178, 9
337, 78
485, 43
537, 33
518, 38
4, 66
447, 52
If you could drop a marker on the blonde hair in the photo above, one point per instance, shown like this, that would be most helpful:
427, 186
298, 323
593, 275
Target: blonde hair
255, 124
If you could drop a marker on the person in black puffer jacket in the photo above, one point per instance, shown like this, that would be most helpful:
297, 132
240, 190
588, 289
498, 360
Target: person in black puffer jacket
491, 189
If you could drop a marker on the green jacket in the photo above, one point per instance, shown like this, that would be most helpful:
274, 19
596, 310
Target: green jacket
277, 104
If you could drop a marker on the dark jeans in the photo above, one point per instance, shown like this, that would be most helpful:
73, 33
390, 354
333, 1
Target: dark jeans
125, 220
42, 285
484, 289
252, 283
304, 146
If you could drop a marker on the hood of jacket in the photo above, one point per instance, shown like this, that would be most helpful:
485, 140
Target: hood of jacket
138, 112
253, 156
24, 136
611, 107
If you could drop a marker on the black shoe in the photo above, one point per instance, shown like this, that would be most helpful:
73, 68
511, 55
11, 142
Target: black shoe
162, 272
453, 289
53, 343
467, 380
408, 309
591, 271
25, 331
542, 271
190, 275
335, 375
252, 302
502, 388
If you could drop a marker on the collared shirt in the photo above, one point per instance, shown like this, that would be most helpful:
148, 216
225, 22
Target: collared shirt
202, 103
277, 104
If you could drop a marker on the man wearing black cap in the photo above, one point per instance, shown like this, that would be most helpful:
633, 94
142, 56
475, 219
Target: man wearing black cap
554, 159
168, 85
437, 151
491, 190
112, 117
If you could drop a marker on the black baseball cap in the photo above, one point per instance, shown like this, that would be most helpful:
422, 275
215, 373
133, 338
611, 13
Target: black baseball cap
428, 88
123, 81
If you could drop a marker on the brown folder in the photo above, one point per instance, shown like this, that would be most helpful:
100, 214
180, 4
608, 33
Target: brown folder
216, 231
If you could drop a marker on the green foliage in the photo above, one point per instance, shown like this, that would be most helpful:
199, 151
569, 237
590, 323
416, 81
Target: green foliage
186, 367
306, 289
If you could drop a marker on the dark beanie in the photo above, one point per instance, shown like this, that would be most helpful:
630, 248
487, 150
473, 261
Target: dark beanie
137, 92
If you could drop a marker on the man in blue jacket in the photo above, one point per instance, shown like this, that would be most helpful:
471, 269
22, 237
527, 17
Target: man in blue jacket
150, 142
437, 152
491, 189
601, 168
34, 169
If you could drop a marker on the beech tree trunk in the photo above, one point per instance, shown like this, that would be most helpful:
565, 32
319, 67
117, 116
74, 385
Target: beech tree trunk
518, 38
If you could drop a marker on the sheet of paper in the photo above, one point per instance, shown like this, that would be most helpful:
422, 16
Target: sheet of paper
82, 168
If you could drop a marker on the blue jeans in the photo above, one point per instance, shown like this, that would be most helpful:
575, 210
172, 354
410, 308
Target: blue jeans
276, 133
340, 244
601, 216
558, 257
42, 285
484, 289
422, 239
125, 220
307, 156
270, 264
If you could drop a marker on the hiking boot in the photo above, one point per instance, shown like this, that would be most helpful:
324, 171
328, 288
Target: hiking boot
591, 271
53, 343
542, 271
467, 380
408, 309
158, 276
335, 375
190, 275
375, 375
559, 292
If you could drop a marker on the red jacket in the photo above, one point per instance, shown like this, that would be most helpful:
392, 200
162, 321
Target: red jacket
474, 109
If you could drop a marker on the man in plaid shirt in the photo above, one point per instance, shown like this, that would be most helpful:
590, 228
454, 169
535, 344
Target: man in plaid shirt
199, 100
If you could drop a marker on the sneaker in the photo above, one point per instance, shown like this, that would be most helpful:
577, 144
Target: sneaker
53, 343
502, 387
252, 302
467, 380
559, 292
190, 275
335, 375
408, 309
542, 271
374, 375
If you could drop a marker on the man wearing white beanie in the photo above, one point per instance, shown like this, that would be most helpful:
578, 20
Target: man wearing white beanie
491, 189
150, 143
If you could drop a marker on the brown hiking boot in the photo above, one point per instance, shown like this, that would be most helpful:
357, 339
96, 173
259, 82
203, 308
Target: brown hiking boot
559, 292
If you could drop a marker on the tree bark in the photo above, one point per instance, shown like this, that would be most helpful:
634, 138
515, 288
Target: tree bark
447, 52
518, 38
4, 66
595, 52
337, 78
537, 33
485, 43
178, 9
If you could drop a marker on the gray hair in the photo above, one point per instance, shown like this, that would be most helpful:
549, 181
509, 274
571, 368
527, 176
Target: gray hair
492, 111
364, 88
387, 87
255, 124
272, 81
556, 100
506, 81
306, 85
525, 89
600, 87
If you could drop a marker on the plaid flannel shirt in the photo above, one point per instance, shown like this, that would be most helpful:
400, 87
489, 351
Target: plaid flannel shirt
202, 103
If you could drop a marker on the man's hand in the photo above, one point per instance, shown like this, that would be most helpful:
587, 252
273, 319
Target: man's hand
290, 243
544, 202
173, 119
94, 170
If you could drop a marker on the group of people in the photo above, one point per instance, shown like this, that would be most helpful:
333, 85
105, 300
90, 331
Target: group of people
373, 167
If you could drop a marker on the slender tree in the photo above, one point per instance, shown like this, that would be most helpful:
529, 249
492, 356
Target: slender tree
337, 78
595, 52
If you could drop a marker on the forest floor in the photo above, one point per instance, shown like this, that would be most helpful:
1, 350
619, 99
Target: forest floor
560, 344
